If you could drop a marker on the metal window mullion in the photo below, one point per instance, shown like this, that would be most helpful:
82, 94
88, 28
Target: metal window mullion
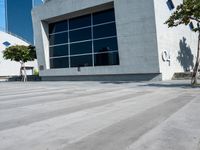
84, 54
62, 44
104, 38
80, 28
113, 51
60, 32
105, 23
92, 39
81, 41
68, 44
54, 57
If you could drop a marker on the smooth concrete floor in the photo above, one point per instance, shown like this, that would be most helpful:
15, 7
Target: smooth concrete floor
99, 116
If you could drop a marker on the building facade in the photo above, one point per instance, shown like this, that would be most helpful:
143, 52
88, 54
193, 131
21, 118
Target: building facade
2, 14
110, 40
16, 17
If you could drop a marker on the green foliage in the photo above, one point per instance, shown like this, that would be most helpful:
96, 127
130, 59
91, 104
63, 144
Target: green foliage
36, 72
20, 53
185, 13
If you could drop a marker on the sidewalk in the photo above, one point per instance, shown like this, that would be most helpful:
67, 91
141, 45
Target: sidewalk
99, 116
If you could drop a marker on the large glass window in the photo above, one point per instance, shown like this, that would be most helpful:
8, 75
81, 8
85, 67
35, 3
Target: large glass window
89, 40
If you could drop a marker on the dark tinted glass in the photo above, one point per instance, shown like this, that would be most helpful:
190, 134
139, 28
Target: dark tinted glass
191, 25
105, 30
106, 59
58, 38
105, 45
79, 22
80, 35
170, 5
59, 51
105, 16
58, 27
6, 43
81, 48
81, 61
59, 62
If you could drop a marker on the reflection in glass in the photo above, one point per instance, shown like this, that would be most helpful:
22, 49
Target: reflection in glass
105, 59
62, 62
103, 17
80, 35
105, 30
59, 51
110, 44
79, 22
58, 38
58, 27
81, 61
81, 48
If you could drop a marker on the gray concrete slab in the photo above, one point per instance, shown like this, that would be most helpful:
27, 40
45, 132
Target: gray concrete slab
99, 116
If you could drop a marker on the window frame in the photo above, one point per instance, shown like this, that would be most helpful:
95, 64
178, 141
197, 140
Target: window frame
92, 40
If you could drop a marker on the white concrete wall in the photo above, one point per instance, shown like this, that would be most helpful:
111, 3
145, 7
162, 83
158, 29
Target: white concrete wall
7, 67
171, 40
136, 32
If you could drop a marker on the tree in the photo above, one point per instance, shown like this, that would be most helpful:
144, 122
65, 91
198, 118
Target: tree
186, 13
21, 54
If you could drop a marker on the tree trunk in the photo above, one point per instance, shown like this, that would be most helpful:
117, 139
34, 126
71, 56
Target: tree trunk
24, 75
21, 68
196, 68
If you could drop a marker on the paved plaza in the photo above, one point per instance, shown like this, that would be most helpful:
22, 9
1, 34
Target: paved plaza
99, 116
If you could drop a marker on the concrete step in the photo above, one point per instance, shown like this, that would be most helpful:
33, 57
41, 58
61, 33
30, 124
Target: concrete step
182, 76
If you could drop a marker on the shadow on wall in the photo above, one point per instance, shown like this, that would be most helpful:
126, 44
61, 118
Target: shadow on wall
185, 56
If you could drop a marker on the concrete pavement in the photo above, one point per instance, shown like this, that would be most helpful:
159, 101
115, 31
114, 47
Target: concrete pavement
99, 116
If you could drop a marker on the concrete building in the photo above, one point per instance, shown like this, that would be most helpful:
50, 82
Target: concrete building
7, 67
111, 40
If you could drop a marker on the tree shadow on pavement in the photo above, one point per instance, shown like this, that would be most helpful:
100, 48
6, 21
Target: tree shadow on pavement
118, 82
171, 85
